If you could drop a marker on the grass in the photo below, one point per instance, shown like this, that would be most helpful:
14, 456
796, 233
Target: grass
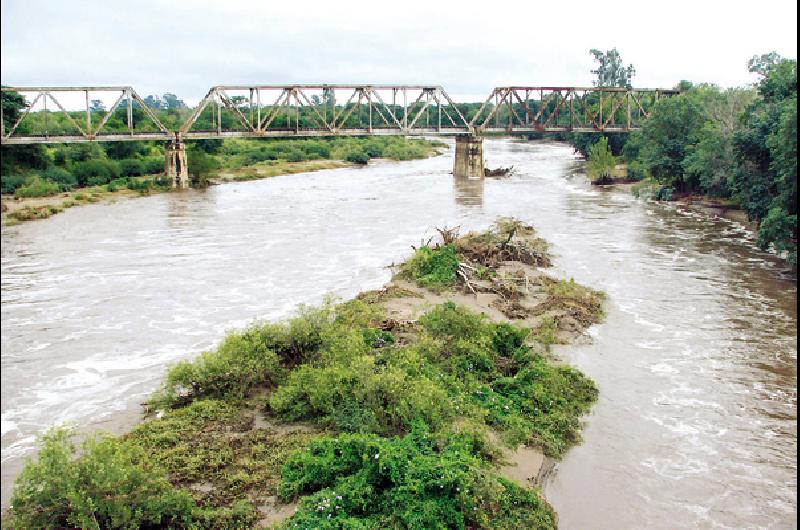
37, 187
274, 168
239, 153
28, 213
363, 424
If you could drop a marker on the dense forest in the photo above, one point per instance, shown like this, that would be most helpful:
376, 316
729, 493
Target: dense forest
736, 143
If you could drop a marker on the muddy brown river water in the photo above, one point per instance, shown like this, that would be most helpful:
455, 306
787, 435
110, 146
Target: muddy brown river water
696, 363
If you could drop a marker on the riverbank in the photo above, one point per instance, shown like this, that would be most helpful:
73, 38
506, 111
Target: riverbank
444, 379
711, 206
237, 160
20, 209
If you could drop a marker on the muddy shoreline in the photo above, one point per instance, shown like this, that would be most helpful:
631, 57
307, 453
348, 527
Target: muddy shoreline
45, 207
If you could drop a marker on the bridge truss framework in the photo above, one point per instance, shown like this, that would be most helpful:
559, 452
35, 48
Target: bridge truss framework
257, 111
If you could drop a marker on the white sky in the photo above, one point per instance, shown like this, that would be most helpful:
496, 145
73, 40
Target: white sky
186, 46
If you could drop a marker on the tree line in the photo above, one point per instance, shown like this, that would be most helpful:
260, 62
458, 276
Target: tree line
736, 143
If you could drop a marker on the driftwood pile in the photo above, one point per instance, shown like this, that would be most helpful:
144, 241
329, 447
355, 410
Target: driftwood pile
482, 254
499, 172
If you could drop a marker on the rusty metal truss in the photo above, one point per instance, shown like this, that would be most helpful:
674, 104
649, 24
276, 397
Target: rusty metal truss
529, 109
94, 126
326, 110
252, 111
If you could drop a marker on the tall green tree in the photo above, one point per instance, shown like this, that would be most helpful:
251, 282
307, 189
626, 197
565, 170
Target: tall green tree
771, 140
667, 136
611, 72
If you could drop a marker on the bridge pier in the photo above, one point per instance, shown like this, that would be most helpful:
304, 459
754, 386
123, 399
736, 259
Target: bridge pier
468, 161
176, 168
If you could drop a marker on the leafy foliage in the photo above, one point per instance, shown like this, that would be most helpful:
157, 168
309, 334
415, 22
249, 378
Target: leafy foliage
37, 187
256, 356
61, 491
601, 163
432, 267
610, 71
418, 481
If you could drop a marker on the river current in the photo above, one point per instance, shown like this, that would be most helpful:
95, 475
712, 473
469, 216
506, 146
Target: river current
696, 362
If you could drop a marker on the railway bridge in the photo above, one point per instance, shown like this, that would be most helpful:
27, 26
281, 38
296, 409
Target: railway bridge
293, 111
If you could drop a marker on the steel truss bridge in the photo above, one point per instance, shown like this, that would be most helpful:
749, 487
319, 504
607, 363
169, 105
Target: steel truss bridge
258, 111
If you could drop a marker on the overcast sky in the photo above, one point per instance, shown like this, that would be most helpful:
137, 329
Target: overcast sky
468, 47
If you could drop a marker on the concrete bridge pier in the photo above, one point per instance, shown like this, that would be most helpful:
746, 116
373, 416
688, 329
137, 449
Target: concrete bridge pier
176, 168
468, 161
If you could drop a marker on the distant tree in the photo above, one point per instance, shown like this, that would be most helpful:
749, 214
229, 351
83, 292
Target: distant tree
171, 101
154, 102
762, 64
97, 106
610, 71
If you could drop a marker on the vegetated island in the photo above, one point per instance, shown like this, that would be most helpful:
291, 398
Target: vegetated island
431, 403
77, 174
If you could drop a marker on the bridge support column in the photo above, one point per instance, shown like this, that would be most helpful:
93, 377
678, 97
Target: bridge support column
468, 161
175, 167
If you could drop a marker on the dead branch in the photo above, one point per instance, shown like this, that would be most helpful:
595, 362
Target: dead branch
449, 235
466, 280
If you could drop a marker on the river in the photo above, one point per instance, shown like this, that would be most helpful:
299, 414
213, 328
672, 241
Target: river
696, 363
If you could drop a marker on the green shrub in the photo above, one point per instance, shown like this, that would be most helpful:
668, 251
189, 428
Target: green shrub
9, 183
294, 155
115, 184
636, 171
242, 361
65, 180
256, 356
450, 321
34, 212
539, 405
777, 230
418, 481
109, 486
37, 187
201, 165
152, 165
645, 188
374, 147
357, 156
139, 185
433, 268
406, 150
131, 167
318, 150
664, 193
601, 162
96, 172
361, 395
